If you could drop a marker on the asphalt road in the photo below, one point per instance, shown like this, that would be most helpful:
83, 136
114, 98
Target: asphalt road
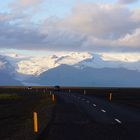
80, 117
104, 111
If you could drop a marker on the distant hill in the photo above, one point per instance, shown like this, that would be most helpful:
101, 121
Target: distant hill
65, 75
71, 69
7, 76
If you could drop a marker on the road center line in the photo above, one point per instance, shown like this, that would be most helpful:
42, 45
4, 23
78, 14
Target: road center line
117, 120
103, 110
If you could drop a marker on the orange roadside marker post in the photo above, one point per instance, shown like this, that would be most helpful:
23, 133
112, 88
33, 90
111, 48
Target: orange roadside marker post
35, 122
84, 92
110, 96
53, 97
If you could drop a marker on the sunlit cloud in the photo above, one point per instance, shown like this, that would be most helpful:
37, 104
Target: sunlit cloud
89, 27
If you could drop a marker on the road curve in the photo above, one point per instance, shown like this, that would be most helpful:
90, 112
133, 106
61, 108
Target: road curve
102, 110
80, 117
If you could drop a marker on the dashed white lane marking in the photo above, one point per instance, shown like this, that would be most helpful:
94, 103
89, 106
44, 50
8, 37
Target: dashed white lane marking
103, 110
83, 99
117, 120
94, 104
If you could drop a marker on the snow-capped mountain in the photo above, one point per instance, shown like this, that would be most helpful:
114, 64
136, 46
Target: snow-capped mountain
112, 61
38, 69
7, 73
37, 65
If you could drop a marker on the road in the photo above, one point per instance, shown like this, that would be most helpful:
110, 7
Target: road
80, 117
103, 110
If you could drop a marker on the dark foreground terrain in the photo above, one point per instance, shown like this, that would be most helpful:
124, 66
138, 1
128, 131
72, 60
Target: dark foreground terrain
16, 115
75, 114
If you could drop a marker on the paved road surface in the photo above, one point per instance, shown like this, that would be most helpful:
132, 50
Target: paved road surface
104, 111
79, 117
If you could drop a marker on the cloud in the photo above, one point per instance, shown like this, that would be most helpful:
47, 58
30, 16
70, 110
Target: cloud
103, 21
25, 38
15, 36
127, 1
8, 17
1, 65
103, 25
64, 40
22, 5
90, 27
30, 9
132, 40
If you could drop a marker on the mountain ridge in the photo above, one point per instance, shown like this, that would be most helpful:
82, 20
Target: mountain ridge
26, 68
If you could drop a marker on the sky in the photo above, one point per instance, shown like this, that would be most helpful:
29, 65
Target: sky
30, 26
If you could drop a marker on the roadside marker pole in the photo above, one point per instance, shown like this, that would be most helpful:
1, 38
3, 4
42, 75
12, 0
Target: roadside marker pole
110, 96
69, 90
53, 98
84, 92
50, 93
35, 122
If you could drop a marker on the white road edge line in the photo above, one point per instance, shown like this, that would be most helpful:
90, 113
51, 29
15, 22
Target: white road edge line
103, 110
117, 120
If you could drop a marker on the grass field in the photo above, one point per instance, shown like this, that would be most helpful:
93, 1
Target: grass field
5, 96
16, 115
